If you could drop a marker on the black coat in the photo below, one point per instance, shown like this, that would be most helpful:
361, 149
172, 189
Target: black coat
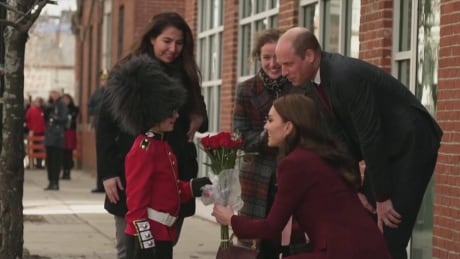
112, 145
375, 115
55, 118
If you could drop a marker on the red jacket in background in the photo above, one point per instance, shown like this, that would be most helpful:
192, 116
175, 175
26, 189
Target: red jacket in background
35, 120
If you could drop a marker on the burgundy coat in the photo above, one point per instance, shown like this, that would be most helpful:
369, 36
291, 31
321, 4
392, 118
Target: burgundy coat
325, 208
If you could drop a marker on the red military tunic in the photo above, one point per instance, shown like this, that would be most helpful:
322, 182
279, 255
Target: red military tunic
152, 182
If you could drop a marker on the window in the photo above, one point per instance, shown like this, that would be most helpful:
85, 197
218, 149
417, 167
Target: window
107, 35
255, 15
416, 25
210, 28
426, 83
338, 30
404, 34
121, 21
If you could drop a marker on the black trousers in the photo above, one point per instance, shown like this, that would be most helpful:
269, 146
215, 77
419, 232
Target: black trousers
68, 159
411, 172
53, 163
162, 249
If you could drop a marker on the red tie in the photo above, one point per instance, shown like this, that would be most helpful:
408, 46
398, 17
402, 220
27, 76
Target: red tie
323, 97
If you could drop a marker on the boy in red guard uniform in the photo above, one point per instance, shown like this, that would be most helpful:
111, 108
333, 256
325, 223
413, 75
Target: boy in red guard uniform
145, 102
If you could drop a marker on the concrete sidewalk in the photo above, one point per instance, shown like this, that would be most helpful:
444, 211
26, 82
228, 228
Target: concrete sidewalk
72, 223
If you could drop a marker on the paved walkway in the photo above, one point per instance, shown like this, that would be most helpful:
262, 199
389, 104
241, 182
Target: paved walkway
72, 223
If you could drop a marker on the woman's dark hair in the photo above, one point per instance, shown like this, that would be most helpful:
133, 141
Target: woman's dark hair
262, 38
186, 59
308, 133
70, 99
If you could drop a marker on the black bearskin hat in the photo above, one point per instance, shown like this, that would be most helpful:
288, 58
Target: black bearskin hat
141, 94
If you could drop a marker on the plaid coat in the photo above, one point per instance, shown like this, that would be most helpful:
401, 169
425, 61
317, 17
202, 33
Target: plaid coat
257, 173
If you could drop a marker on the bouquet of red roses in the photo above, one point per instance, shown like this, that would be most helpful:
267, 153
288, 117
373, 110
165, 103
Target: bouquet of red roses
222, 150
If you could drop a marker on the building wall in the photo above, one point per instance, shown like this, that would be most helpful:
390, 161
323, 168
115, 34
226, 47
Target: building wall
375, 37
376, 32
88, 66
229, 63
446, 232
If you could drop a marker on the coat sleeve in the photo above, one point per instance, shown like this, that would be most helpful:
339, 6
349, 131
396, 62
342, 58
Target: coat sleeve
243, 122
185, 191
362, 105
108, 152
293, 184
205, 125
139, 169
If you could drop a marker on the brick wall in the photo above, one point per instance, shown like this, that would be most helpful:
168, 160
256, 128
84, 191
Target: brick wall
288, 14
376, 32
229, 63
87, 75
446, 230
191, 16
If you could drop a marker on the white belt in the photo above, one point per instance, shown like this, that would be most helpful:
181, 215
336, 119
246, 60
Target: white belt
161, 217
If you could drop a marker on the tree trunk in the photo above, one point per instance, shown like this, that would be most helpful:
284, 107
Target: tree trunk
12, 151
19, 18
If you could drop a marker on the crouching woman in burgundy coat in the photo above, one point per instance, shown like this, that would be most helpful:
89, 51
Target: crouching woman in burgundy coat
317, 186
145, 102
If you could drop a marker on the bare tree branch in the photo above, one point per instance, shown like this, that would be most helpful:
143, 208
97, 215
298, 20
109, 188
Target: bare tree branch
9, 23
37, 8
8, 7
32, 14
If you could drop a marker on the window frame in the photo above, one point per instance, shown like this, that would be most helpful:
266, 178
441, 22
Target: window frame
252, 20
345, 11
411, 54
206, 32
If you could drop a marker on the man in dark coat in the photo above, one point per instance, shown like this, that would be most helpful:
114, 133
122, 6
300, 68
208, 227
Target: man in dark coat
379, 120
94, 107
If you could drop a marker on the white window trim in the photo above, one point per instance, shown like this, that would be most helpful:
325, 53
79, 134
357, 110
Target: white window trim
252, 19
342, 23
411, 54
106, 52
208, 84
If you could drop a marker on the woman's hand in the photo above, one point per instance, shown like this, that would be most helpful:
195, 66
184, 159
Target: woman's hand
223, 214
195, 123
365, 203
111, 187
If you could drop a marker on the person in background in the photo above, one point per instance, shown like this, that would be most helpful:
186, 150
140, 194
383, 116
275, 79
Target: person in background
94, 106
70, 135
145, 100
56, 118
169, 40
317, 187
35, 122
379, 120
254, 98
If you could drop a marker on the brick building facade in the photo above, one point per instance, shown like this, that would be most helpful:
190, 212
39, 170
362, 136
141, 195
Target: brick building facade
415, 40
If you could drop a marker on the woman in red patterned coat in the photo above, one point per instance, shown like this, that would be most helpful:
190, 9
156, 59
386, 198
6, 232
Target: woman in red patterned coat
145, 102
317, 186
